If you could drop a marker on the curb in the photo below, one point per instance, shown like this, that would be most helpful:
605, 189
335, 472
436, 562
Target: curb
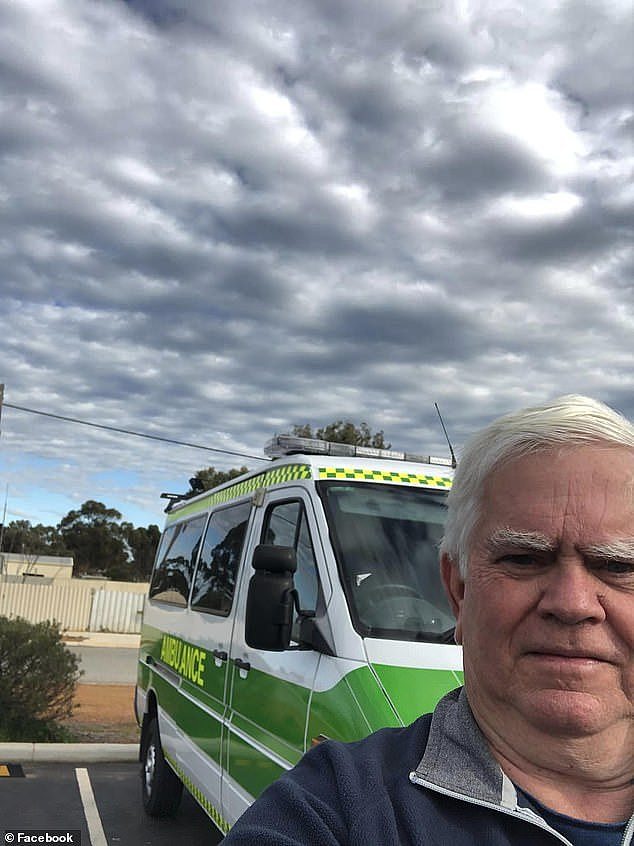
13, 753
112, 639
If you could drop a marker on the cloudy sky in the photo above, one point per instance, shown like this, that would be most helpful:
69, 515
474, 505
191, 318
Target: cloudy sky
218, 219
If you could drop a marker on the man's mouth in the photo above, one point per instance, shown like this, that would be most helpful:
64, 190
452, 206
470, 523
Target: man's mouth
565, 654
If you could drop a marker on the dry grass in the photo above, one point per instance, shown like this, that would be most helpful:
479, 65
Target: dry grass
104, 713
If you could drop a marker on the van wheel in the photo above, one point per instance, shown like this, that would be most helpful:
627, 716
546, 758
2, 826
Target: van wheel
161, 787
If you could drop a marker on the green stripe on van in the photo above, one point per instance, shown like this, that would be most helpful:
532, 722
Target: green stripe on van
391, 696
285, 473
200, 797
416, 690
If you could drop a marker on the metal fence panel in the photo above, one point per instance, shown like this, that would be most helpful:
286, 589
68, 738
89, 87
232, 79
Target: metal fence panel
115, 611
67, 604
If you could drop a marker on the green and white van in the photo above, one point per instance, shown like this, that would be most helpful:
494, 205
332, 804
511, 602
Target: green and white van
290, 605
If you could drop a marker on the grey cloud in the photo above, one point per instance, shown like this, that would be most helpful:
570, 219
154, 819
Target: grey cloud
574, 238
469, 163
600, 61
290, 212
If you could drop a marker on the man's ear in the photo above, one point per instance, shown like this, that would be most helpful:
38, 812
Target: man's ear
454, 588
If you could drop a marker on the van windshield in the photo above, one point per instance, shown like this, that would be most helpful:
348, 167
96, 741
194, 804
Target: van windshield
386, 540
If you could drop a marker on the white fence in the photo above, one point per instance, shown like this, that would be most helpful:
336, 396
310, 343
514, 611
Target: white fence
76, 606
114, 611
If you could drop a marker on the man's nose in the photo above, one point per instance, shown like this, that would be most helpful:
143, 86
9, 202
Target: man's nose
572, 593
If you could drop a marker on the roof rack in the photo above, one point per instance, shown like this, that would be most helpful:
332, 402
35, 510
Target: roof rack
196, 487
174, 498
281, 445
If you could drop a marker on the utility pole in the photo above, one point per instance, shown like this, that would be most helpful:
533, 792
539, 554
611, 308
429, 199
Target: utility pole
4, 520
4, 516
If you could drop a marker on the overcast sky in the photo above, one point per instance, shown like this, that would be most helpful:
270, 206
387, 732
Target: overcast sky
218, 219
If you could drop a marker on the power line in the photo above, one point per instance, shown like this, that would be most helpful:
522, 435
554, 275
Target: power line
130, 432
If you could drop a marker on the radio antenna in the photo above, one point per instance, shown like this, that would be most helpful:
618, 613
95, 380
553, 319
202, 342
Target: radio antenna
454, 463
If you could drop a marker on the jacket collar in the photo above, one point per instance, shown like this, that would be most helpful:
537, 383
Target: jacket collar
457, 761
457, 757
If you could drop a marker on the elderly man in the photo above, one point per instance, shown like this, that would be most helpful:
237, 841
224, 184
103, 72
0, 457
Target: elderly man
538, 747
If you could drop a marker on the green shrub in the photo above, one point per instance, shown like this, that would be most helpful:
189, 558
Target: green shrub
38, 675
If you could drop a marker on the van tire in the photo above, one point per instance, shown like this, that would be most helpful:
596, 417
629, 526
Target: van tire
160, 786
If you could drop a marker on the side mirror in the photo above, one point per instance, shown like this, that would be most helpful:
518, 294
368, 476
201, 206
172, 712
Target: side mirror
271, 598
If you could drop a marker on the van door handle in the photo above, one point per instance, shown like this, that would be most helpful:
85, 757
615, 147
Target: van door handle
220, 654
242, 665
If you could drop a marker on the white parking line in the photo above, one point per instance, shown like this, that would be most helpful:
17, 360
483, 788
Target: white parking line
93, 820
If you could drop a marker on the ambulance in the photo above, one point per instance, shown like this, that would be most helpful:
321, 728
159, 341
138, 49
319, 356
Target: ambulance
290, 605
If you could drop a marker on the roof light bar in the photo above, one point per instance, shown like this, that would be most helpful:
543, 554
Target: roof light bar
281, 445
437, 459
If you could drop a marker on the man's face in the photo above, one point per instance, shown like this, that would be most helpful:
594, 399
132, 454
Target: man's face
546, 612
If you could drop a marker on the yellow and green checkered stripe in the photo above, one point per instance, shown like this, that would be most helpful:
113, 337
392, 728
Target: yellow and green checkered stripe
200, 797
277, 476
366, 475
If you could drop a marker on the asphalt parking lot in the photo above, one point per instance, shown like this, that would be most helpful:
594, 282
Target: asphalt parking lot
101, 801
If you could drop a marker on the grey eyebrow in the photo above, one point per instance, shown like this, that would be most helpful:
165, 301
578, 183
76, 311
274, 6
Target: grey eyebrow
535, 541
615, 549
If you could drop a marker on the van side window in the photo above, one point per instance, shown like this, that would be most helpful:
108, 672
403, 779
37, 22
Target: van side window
175, 561
286, 525
215, 579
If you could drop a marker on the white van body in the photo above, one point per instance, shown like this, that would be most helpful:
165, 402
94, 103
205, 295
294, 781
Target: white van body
372, 647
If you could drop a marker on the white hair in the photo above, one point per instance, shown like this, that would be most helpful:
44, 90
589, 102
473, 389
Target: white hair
565, 422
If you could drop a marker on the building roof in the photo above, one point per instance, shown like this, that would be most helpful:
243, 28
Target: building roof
19, 558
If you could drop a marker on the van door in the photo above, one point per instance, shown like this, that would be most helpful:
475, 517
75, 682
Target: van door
270, 691
166, 639
210, 622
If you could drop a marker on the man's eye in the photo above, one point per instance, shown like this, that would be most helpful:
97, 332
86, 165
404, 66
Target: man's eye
618, 568
520, 559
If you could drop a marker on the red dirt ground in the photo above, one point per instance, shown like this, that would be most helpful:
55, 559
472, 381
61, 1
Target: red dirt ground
104, 713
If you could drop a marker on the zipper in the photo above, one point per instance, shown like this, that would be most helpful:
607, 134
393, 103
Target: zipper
529, 816
533, 819
629, 831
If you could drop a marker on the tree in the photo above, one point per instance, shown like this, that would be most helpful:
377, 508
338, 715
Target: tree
21, 537
142, 543
95, 539
209, 477
38, 675
344, 432
18, 537
94, 536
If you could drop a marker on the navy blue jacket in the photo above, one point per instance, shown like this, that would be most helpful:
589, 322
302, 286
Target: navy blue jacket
433, 783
